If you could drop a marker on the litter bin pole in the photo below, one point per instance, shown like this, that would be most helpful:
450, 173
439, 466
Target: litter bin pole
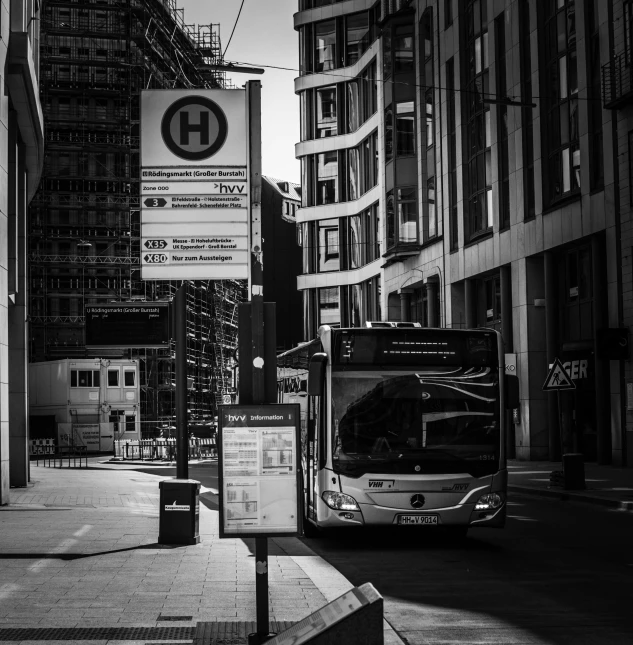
179, 513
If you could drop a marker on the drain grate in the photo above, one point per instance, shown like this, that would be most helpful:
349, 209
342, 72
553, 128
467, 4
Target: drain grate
174, 618
233, 633
97, 633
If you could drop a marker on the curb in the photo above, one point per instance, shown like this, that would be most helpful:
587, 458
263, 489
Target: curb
568, 496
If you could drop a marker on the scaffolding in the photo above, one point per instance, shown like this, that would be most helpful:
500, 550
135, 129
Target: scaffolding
84, 222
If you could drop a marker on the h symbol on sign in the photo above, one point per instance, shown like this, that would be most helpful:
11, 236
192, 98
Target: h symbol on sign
186, 128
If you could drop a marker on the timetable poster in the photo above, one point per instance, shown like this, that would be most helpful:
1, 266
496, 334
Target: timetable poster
259, 450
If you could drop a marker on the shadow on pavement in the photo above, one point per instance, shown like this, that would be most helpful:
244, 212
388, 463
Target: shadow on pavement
79, 556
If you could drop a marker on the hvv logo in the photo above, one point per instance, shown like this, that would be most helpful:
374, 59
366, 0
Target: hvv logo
237, 417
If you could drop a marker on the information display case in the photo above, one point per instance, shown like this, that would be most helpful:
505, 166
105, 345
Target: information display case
259, 470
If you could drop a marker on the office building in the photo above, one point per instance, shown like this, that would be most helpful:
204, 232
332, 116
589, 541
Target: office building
459, 169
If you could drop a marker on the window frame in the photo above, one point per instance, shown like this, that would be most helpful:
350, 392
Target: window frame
126, 371
117, 371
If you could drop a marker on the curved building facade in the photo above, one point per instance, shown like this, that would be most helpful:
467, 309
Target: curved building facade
466, 163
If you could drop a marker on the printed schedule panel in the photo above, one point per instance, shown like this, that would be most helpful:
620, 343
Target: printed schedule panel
259, 470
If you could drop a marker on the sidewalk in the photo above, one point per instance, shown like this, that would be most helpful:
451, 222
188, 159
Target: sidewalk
609, 486
80, 562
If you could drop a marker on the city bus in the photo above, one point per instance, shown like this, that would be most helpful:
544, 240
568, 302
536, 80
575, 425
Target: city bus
401, 425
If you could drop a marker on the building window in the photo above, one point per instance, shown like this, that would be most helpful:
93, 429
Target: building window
430, 203
84, 378
628, 29
429, 229
129, 378
403, 49
492, 289
113, 377
562, 150
448, 13
452, 154
329, 253
405, 128
503, 170
325, 42
402, 217
594, 105
327, 178
326, 113
329, 311
356, 36
527, 118
478, 138
578, 294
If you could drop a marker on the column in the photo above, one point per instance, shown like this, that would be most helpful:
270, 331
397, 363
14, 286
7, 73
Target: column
601, 375
551, 347
405, 305
431, 299
18, 341
470, 289
505, 278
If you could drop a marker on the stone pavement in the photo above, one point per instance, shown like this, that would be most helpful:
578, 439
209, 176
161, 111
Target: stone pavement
609, 486
80, 563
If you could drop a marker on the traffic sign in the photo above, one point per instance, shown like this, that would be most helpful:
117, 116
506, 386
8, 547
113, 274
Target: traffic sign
155, 258
558, 379
157, 245
155, 202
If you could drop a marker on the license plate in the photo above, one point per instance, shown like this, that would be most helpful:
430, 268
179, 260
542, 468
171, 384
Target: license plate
418, 519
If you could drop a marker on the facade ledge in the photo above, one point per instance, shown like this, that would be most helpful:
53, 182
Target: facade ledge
338, 278
330, 11
337, 75
24, 91
400, 253
339, 142
340, 209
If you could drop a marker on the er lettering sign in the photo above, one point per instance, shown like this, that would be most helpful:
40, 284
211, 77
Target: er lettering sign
194, 128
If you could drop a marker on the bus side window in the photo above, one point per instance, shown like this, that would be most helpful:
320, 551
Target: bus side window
322, 429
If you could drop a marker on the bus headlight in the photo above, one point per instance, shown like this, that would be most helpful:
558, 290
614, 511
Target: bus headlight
489, 502
340, 501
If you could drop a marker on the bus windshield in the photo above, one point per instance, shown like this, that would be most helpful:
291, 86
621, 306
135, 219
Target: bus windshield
442, 420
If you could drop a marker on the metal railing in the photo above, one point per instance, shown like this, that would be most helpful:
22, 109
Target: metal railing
162, 449
616, 82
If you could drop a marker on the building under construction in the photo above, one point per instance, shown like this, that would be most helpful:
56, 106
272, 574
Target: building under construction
84, 228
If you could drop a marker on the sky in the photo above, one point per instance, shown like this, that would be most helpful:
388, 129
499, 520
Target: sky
264, 35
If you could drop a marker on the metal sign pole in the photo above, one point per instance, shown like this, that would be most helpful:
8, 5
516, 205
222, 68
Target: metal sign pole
253, 98
182, 447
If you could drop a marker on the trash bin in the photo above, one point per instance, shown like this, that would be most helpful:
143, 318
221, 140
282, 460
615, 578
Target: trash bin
179, 512
574, 471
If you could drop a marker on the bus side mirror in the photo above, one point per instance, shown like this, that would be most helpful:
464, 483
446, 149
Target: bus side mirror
512, 391
316, 374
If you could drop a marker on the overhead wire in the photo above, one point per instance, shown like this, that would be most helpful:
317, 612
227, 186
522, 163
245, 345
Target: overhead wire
233, 31
390, 80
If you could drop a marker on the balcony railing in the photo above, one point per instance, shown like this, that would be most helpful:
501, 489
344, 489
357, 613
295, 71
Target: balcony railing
616, 82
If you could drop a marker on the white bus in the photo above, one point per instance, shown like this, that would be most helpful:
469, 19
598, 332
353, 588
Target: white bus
401, 425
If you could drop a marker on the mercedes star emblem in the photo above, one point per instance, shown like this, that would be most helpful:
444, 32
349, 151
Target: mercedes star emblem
417, 500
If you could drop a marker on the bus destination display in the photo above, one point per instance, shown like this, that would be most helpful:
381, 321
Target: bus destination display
128, 325
258, 470
411, 347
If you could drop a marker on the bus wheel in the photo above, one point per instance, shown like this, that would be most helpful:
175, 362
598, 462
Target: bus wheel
309, 529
